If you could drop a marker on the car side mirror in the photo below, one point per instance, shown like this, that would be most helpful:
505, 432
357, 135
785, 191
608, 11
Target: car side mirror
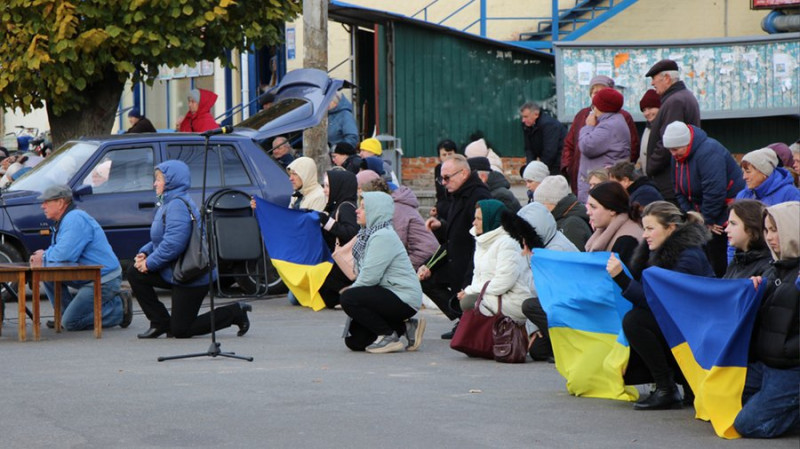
84, 189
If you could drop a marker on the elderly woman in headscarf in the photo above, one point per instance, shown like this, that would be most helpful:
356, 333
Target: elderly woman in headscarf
498, 264
386, 293
308, 194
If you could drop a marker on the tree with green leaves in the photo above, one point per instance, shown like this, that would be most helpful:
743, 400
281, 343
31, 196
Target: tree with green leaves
74, 56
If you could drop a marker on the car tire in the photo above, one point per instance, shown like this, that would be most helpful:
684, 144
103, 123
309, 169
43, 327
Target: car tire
249, 285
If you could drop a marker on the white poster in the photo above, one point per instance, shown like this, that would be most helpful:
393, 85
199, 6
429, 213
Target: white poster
585, 70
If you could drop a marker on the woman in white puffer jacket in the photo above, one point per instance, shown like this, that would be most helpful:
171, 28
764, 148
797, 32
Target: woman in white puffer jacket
499, 261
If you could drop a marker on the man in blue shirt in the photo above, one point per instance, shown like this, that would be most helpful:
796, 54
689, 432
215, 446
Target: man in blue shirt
76, 237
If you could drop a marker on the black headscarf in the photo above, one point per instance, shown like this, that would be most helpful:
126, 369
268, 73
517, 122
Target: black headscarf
342, 186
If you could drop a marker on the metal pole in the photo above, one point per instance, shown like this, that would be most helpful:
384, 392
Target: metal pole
483, 17
554, 27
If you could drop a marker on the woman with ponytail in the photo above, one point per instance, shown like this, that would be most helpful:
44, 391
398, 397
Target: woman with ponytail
673, 240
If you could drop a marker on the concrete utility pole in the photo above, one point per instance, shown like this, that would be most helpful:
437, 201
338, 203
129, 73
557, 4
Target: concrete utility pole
315, 55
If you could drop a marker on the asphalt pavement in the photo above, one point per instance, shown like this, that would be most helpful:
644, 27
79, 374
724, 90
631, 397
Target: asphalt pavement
305, 389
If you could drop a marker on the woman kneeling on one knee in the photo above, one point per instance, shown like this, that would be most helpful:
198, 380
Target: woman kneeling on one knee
386, 292
169, 234
673, 240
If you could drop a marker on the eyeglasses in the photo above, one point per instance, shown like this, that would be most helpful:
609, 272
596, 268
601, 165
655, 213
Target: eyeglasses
444, 179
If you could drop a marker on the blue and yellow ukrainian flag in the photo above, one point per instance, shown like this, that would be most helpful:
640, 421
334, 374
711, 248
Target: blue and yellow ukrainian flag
584, 308
708, 324
293, 239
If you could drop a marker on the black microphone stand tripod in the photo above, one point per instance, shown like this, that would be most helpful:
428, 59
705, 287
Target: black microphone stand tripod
214, 349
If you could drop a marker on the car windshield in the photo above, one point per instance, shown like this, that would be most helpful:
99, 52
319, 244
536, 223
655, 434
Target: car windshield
58, 168
285, 111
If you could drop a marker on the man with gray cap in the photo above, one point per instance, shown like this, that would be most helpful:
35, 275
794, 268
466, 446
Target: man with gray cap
571, 156
677, 104
706, 180
76, 237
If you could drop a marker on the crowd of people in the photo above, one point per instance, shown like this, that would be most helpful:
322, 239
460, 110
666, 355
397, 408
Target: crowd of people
673, 198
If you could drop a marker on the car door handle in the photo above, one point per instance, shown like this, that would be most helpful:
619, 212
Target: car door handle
147, 205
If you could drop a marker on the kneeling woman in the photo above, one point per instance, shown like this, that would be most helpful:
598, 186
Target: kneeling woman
169, 235
386, 293
673, 240
770, 400
498, 262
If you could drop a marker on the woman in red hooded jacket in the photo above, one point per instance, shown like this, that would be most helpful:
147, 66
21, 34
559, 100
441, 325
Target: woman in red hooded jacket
199, 117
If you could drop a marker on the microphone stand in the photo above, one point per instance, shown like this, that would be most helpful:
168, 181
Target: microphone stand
214, 348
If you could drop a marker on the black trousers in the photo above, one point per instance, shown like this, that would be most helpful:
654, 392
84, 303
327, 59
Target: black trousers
374, 311
335, 281
437, 288
717, 253
541, 349
186, 301
646, 339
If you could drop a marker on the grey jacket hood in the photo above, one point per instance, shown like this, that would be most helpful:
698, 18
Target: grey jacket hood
542, 220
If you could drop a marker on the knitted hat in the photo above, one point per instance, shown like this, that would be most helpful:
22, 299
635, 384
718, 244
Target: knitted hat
535, 171
479, 164
491, 211
608, 100
365, 176
476, 149
764, 160
344, 148
650, 99
372, 145
134, 112
783, 152
676, 135
602, 80
194, 94
662, 66
373, 163
552, 190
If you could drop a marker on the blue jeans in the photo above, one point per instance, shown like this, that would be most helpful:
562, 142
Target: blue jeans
770, 401
77, 312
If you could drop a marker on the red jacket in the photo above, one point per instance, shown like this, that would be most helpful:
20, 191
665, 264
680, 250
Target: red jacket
571, 155
202, 120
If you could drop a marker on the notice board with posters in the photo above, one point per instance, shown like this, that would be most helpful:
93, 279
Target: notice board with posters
731, 78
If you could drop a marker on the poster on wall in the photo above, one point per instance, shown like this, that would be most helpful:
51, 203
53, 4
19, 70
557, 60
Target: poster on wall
738, 77
290, 43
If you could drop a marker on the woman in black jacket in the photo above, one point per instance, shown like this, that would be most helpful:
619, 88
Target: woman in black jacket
745, 232
338, 222
770, 399
673, 240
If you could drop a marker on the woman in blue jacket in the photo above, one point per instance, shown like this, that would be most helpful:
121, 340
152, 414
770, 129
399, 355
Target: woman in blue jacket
766, 182
386, 292
169, 235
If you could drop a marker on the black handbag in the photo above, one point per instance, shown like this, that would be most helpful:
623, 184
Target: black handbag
194, 262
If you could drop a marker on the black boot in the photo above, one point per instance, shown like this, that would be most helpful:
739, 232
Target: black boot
662, 398
449, 335
244, 321
153, 332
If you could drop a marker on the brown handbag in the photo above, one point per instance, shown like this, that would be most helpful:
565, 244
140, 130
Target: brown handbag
510, 338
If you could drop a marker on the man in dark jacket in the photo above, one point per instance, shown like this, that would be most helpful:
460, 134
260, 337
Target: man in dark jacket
467, 189
344, 155
544, 137
640, 189
282, 151
139, 123
498, 185
677, 104
706, 178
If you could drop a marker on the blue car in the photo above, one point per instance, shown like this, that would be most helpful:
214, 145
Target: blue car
112, 176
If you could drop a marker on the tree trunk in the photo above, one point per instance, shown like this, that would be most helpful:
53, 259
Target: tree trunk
94, 118
315, 55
